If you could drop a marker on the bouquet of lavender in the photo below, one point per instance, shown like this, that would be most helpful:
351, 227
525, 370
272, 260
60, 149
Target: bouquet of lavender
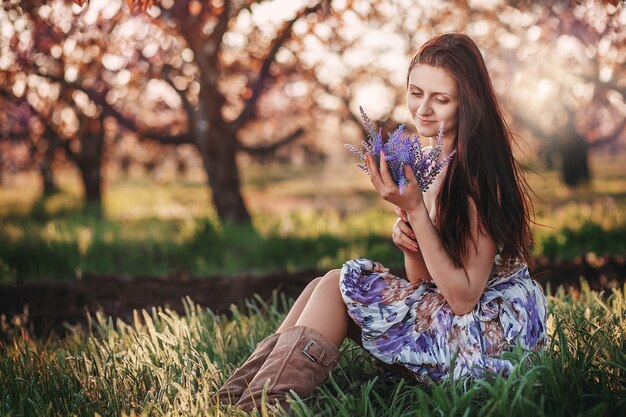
401, 149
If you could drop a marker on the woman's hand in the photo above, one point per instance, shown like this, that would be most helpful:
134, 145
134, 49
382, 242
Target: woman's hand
403, 236
411, 196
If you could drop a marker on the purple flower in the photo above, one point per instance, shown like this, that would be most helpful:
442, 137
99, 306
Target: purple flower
401, 149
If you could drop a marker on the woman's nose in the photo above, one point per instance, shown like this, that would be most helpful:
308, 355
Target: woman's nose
424, 107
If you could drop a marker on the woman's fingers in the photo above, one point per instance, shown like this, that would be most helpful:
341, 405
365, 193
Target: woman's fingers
382, 179
409, 174
402, 214
403, 236
384, 171
405, 228
374, 173
406, 244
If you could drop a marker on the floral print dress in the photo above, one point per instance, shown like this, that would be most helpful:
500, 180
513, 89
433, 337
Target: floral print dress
411, 324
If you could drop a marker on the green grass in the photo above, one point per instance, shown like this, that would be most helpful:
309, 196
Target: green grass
315, 217
301, 220
163, 363
66, 248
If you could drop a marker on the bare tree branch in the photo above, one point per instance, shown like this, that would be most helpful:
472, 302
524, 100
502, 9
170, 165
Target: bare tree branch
50, 131
220, 29
611, 137
98, 97
167, 71
165, 138
267, 149
283, 35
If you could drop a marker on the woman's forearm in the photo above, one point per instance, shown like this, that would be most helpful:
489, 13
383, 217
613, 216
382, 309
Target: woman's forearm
415, 267
452, 281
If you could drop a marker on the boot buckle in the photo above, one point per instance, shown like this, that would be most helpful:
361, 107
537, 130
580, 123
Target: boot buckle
306, 353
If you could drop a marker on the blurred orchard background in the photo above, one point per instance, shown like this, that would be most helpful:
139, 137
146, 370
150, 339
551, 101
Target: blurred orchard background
188, 141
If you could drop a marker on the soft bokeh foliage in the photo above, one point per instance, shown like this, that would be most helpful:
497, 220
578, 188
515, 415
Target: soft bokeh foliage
207, 84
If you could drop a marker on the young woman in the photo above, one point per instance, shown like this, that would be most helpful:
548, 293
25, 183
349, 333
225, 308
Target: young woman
467, 296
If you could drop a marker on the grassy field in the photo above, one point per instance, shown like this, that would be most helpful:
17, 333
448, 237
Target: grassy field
168, 364
315, 217
164, 363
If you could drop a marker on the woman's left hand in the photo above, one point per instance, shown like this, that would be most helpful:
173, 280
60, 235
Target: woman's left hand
411, 196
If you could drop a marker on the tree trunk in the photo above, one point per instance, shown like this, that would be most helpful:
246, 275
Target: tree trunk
220, 164
47, 178
218, 146
574, 151
89, 161
92, 184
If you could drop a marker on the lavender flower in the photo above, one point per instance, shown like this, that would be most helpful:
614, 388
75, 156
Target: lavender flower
401, 149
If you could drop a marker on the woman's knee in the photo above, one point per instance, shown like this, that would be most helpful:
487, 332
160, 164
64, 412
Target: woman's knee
330, 281
333, 274
311, 285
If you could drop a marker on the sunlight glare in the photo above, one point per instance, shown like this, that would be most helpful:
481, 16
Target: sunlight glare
7, 31
150, 50
617, 101
113, 62
43, 89
5, 62
123, 76
373, 97
484, 4
479, 28
68, 117
509, 40
606, 74
568, 45
19, 87
545, 88
56, 51
80, 98
274, 12
534, 33
583, 91
68, 46
45, 11
297, 89
160, 90
187, 55
71, 73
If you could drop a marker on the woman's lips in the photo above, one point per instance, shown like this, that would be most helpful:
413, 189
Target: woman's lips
425, 122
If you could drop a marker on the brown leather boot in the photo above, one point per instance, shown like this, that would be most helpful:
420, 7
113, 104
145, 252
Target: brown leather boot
235, 385
301, 361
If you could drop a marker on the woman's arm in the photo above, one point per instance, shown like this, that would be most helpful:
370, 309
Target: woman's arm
460, 286
415, 267
404, 238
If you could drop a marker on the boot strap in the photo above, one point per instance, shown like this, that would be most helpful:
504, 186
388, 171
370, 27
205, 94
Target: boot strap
316, 353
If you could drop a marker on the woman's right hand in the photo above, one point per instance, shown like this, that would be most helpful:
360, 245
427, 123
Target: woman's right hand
402, 234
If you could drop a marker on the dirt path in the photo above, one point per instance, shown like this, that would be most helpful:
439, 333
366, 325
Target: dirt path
51, 303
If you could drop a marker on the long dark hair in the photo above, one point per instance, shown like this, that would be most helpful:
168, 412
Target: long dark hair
483, 168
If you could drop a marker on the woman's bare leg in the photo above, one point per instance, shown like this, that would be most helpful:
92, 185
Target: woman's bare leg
325, 310
298, 306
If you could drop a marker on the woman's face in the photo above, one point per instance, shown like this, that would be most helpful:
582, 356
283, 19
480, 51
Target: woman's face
432, 98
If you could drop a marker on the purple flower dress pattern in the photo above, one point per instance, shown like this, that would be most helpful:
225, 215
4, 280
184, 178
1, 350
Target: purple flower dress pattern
411, 324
